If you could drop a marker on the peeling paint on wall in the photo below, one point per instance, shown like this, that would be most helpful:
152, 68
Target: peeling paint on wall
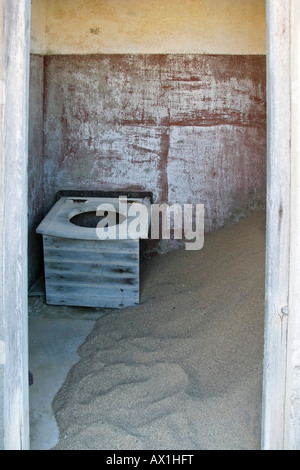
190, 128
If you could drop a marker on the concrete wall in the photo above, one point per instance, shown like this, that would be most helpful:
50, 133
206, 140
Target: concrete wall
190, 128
36, 202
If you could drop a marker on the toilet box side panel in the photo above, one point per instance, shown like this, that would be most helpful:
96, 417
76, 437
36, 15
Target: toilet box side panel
92, 273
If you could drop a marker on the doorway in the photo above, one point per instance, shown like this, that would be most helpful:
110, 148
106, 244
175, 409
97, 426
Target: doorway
162, 128
23, 191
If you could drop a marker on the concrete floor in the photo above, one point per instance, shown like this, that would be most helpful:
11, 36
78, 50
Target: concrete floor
55, 333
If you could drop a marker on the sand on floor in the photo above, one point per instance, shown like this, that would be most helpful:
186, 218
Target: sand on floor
183, 370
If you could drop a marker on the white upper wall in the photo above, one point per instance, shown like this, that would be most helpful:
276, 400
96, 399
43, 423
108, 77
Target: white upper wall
148, 26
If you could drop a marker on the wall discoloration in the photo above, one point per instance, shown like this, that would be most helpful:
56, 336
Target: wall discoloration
190, 128
221, 166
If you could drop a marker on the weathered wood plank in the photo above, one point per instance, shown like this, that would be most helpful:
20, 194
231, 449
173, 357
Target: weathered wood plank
96, 289
73, 299
77, 264
105, 258
90, 256
126, 246
91, 277
278, 225
13, 213
292, 400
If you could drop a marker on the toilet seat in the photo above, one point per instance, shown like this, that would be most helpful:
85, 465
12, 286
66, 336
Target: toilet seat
57, 221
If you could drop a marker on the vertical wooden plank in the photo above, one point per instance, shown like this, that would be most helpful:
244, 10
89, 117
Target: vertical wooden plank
278, 223
14, 202
292, 414
2, 344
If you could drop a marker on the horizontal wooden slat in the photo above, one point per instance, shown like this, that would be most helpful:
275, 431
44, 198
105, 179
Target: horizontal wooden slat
97, 301
86, 249
92, 289
91, 245
105, 266
92, 257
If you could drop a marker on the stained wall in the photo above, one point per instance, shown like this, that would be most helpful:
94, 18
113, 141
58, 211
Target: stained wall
190, 128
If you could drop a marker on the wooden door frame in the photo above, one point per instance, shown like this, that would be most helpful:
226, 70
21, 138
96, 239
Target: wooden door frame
13, 218
281, 381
